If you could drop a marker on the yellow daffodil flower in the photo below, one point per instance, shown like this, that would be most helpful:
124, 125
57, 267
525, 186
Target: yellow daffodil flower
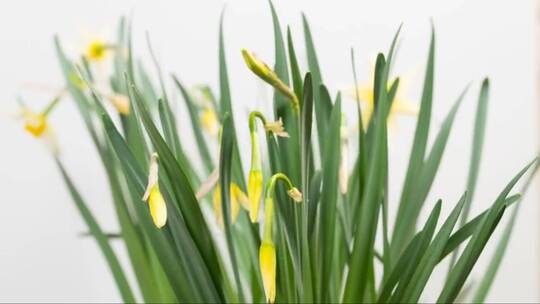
267, 251
238, 199
209, 121
34, 123
365, 92
264, 72
97, 50
37, 123
152, 195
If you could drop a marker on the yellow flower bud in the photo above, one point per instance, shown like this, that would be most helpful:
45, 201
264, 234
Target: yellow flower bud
267, 263
264, 72
295, 194
156, 202
276, 127
158, 208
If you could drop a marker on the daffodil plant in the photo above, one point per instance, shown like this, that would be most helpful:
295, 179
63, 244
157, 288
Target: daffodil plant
193, 225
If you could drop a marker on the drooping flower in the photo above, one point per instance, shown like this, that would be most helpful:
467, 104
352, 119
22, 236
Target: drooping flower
276, 127
152, 195
295, 194
267, 251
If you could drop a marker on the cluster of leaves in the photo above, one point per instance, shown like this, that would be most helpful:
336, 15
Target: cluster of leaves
326, 248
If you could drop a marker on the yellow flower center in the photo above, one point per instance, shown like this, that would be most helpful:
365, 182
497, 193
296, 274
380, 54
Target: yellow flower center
96, 50
35, 124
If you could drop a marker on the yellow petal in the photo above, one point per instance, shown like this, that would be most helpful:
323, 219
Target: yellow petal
267, 263
158, 208
255, 188
240, 196
403, 106
276, 127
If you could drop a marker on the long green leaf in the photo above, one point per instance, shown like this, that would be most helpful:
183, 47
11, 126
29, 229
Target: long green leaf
425, 267
225, 159
495, 262
101, 238
403, 224
474, 248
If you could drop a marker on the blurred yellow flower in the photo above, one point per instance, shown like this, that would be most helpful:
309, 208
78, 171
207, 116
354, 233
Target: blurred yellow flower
365, 92
238, 199
209, 121
97, 50
36, 123
152, 195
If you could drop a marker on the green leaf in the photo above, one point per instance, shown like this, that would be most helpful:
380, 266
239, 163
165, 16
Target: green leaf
322, 107
136, 182
468, 229
408, 271
295, 69
202, 146
495, 262
306, 153
225, 159
186, 201
329, 195
404, 225
225, 107
101, 238
474, 248
430, 259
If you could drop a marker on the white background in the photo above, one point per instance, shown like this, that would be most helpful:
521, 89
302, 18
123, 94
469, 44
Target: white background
43, 259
